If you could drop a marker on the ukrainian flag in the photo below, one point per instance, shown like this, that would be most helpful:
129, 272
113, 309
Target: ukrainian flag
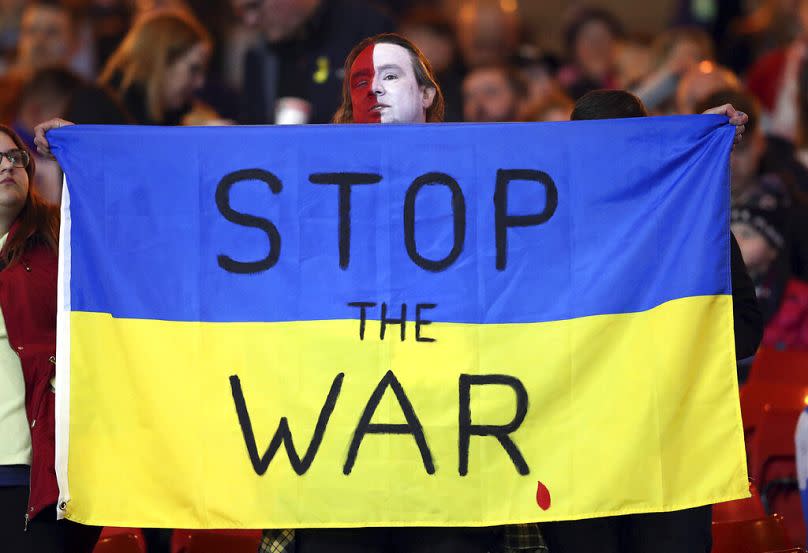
234, 351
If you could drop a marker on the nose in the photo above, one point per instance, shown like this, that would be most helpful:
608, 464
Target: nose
377, 88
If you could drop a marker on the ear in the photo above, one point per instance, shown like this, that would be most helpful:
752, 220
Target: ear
427, 96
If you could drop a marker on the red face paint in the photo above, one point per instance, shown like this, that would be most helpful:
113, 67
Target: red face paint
361, 82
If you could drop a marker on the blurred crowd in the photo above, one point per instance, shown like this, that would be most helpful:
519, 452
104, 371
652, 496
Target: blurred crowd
194, 62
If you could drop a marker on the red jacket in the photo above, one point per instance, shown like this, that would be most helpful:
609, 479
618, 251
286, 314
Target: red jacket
788, 329
28, 302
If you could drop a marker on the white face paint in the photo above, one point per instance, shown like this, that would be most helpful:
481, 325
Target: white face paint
399, 99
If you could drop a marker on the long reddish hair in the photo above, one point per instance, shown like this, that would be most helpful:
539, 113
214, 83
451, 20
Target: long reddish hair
420, 65
38, 221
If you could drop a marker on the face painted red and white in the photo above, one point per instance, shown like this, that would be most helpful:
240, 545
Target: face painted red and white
384, 88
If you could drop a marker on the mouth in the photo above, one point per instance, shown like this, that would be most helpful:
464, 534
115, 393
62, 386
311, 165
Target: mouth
8, 180
379, 107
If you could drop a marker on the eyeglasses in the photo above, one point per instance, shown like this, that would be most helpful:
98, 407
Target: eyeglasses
18, 158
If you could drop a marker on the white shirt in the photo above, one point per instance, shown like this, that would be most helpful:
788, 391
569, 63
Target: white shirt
15, 436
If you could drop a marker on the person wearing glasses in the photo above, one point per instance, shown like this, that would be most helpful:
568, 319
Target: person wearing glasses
29, 230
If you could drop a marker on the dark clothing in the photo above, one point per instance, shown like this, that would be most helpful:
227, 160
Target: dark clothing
451, 84
310, 65
135, 102
13, 502
685, 531
93, 104
398, 540
746, 314
49, 535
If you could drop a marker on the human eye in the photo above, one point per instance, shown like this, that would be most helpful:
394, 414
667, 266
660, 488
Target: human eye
390, 77
17, 157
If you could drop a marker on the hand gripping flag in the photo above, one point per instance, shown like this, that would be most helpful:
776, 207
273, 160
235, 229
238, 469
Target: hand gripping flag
372, 325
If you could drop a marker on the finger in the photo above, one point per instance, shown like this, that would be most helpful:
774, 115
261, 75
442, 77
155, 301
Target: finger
740, 118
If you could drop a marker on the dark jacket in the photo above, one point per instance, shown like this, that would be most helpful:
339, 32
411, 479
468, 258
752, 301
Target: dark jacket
28, 302
309, 65
745, 311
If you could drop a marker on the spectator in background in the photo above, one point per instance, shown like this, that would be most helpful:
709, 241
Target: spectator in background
699, 82
294, 74
492, 94
747, 177
787, 150
540, 72
675, 53
759, 226
633, 61
590, 39
48, 36
555, 107
771, 25
48, 39
45, 96
767, 77
159, 67
10, 16
714, 16
488, 32
109, 20
760, 167
432, 33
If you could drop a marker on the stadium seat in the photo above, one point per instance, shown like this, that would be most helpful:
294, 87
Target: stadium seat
788, 367
750, 536
758, 396
750, 508
216, 541
773, 441
128, 542
772, 466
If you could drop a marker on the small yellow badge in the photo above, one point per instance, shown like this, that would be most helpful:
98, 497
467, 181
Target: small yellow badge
321, 74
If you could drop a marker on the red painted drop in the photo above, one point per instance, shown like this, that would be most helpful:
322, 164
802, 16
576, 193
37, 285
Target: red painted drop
543, 496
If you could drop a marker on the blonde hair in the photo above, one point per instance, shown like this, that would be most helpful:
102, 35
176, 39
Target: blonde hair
155, 42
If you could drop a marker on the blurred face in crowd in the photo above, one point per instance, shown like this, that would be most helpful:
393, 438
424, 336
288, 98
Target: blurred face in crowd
541, 84
384, 88
46, 36
277, 20
633, 63
488, 97
700, 82
13, 180
437, 48
185, 76
756, 251
595, 49
486, 33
